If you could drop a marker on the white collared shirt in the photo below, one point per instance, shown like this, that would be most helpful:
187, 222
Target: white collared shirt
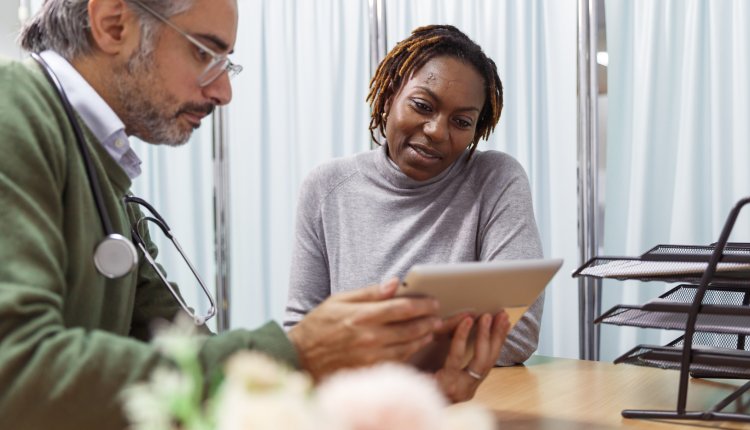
103, 122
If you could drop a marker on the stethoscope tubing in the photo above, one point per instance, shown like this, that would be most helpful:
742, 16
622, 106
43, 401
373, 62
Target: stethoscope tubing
90, 172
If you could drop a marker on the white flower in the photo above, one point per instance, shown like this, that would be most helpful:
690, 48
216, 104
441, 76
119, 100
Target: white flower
468, 416
150, 405
259, 373
279, 410
258, 393
178, 340
388, 396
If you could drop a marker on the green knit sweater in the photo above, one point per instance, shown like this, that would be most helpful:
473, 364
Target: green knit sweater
70, 339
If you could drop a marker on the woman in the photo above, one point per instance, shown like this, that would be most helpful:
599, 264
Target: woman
426, 196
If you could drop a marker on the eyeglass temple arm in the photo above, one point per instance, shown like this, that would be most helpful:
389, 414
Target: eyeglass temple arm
176, 28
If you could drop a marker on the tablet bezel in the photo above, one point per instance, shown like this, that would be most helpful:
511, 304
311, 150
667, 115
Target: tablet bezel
481, 287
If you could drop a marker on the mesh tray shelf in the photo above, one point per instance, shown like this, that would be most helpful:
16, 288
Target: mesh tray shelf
715, 295
724, 311
636, 268
707, 361
713, 323
733, 253
713, 340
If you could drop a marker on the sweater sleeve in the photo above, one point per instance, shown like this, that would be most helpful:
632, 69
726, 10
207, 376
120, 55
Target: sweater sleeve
55, 374
309, 280
509, 233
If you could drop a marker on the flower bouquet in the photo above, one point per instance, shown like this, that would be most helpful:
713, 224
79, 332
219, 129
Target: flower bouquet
255, 392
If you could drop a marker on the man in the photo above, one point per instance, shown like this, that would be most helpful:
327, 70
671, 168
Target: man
70, 338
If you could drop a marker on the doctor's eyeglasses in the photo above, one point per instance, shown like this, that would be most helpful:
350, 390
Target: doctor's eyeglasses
141, 225
218, 63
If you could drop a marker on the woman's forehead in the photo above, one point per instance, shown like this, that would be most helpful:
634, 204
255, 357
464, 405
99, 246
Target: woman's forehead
448, 75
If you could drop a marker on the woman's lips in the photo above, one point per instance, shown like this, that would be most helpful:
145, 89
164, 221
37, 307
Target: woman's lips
425, 151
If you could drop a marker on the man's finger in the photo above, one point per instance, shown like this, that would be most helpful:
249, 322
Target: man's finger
394, 310
371, 293
408, 331
404, 351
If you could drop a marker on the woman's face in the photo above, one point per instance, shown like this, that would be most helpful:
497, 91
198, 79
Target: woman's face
433, 116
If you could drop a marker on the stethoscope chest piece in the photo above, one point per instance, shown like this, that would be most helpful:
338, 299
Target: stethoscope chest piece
115, 256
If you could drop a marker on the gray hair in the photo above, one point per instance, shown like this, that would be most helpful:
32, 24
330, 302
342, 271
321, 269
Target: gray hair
63, 26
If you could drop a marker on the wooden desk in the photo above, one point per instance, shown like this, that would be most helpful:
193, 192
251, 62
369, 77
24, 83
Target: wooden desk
561, 394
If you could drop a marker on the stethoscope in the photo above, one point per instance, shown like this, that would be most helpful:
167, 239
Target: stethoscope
115, 255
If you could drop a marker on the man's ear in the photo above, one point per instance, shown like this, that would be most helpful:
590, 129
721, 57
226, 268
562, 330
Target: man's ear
114, 27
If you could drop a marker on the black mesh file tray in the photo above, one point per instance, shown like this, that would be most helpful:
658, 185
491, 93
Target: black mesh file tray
712, 307
725, 311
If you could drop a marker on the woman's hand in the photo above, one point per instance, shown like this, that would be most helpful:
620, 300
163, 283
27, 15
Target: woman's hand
460, 381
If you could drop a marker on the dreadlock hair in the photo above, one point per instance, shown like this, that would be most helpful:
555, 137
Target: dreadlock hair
409, 55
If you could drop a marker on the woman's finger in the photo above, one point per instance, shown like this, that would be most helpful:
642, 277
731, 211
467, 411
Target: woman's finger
500, 328
482, 361
458, 344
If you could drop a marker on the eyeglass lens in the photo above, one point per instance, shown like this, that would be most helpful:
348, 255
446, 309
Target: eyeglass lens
216, 68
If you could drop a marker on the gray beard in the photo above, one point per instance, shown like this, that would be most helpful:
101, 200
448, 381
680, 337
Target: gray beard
145, 107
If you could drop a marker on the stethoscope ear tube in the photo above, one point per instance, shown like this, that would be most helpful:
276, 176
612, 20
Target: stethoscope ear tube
115, 256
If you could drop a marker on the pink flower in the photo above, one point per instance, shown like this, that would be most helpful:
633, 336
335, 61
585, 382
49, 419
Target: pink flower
388, 396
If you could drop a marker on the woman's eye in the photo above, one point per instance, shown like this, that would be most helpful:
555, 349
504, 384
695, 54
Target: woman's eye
463, 123
422, 106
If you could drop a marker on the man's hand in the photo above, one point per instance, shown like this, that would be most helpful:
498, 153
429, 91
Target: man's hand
362, 327
460, 381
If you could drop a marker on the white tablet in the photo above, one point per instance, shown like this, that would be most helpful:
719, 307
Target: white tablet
481, 287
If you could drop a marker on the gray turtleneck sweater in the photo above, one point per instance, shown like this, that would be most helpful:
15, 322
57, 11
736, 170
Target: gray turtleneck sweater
360, 221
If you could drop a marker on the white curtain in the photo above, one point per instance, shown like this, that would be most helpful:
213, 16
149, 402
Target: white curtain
301, 101
678, 141
9, 25
533, 44
677, 135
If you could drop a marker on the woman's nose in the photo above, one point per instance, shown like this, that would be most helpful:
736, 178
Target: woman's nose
436, 129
